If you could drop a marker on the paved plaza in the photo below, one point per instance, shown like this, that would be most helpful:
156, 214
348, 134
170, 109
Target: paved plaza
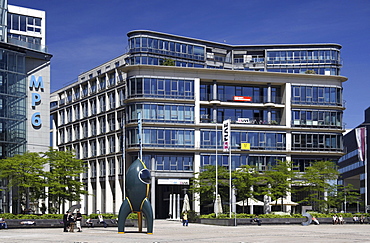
173, 231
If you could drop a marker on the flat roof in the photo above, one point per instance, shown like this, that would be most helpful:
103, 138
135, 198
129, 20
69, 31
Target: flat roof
229, 46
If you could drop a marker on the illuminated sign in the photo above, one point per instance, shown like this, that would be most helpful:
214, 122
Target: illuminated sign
36, 85
242, 98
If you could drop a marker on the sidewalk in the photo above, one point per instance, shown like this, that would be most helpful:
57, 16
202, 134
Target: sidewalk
173, 231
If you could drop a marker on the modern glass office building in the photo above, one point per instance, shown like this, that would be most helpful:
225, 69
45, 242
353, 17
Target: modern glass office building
284, 100
353, 166
24, 87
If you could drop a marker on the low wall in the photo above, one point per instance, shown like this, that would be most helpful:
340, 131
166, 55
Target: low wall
298, 221
58, 223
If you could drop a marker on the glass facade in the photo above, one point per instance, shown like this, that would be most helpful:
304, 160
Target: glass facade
13, 89
257, 94
258, 140
316, 95
162, 112
282, 117
160, 88
260, 162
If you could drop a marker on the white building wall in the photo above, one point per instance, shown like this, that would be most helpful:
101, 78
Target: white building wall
38, 102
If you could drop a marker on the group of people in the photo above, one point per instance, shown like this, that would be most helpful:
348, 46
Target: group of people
70, 220
338, 219
358, 220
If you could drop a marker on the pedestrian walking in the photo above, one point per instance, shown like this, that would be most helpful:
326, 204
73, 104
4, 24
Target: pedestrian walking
185, 220
78, 221
71, 222
65, 221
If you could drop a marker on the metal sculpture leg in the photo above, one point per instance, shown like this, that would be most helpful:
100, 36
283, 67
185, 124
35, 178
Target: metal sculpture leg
124, 211
148, 212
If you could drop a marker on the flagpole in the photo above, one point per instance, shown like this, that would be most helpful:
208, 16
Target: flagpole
216, 201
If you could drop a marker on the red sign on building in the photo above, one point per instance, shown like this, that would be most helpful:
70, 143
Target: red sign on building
242, 98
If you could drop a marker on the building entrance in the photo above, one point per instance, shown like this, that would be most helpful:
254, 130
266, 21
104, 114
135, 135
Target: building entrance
163, 194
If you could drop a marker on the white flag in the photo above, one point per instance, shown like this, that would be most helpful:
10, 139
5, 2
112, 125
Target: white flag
361, 142
226, 135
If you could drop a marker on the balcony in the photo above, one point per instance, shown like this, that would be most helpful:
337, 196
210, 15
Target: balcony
32, 46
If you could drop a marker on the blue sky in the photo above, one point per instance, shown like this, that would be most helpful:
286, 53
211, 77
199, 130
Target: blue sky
83, 34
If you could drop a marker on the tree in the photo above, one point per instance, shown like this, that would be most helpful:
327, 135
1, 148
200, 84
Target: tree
25, 173
343, 195
204, 183
62, 179
319, 179
278, 180
245, 179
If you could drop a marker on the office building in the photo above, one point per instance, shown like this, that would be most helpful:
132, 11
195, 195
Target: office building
184, 88
353, 167
24, 87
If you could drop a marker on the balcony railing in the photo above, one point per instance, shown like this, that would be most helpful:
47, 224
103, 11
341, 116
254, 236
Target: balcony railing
33, 46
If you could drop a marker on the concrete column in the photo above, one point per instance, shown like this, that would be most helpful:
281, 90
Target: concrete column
197, 101
109, 204
196, 196
214, 93
153, 187
98, 188
118, 189
170, 209
178, 207
90, 197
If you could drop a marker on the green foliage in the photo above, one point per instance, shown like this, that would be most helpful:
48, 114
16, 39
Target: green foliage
204, 183
244, 180
343, 193
61, 179
278, 180
26, 173
105, 215
31, 216
167, 62
317, 179
310, 72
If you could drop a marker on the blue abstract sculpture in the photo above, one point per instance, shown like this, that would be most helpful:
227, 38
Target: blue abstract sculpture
137, 191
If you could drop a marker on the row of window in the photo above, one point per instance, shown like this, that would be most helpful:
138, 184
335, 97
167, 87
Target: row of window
257, 140
304, 69
318, 141
257, 94
302, 56
349, 155
260, 162
320, 118
314, 95
164, 47
14, 62
13, 84
351, 167
24, 23
93, 127
144, 59
168, 162
248, 116
160, 137
161, 113
90, 108
90, 87
160, 88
